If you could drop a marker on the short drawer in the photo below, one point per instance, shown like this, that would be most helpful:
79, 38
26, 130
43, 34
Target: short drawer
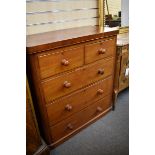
68, 82
71, 124
60, 60
123, 81
68, 105
124, 62
125, 48
99, 50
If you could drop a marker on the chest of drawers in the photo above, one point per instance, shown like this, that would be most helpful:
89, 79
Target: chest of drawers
71, 73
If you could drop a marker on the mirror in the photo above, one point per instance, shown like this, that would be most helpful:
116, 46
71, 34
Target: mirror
116, 13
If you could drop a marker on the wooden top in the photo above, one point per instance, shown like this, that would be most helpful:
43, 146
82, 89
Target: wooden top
55, 39
123, 39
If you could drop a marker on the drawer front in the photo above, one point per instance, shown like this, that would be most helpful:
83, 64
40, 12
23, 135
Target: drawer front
124, 62
99, 50
123, 82
71, 81
60, 60
68, 105
125, 49
74, 122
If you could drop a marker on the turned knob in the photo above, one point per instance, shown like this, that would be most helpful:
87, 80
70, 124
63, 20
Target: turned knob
100, 91
68, 107
101, 71
99, 109
102, 51
70, 126
65, 62
67, 84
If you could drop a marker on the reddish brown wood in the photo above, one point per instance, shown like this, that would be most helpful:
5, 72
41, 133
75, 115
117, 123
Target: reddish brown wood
65, 87
63, 139
68, 105
68, 82
34, 142
100, 91
77, 120
57, 61
61, 38
99, 109
38, 96
100, 49
65, 62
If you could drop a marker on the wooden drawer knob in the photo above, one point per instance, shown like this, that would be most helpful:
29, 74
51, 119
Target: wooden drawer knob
101, 71
65, 62
99, 109
67, 84
68, 107
70, 126
100, 91
102, 51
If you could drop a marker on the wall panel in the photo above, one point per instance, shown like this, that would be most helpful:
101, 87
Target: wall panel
49, 15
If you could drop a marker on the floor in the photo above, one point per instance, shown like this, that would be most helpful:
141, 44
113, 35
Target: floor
108, 136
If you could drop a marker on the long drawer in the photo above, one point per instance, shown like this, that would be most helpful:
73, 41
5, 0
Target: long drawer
68, 105
68, 82
57, 61
79, 119
99, 50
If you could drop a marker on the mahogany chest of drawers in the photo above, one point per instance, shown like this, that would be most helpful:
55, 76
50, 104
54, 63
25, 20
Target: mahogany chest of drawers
71, 73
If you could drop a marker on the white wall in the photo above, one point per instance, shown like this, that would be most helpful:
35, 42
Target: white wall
125, 13
114, 7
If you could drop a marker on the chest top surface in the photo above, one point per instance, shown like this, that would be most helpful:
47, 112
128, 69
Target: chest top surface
55, 39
